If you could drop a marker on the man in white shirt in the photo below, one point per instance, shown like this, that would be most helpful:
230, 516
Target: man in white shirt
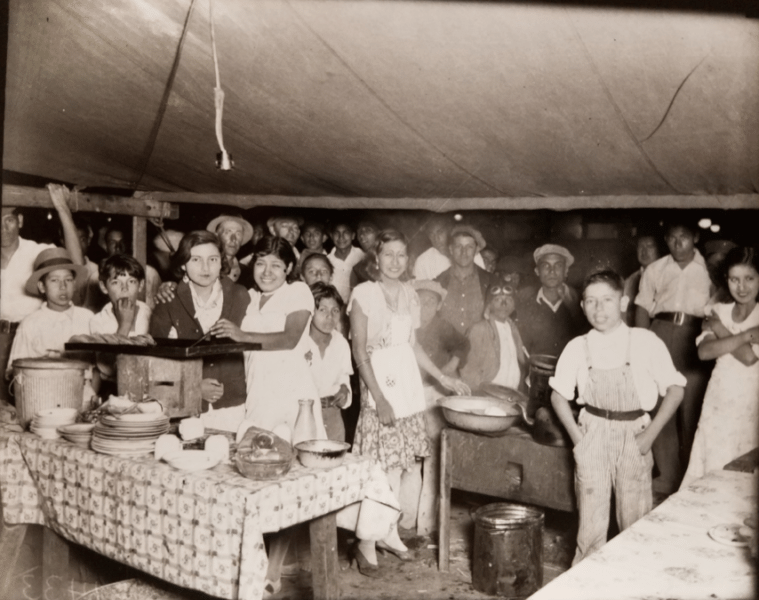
674, 291
343, 257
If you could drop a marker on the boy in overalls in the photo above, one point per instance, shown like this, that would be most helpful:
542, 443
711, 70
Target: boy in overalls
619, 372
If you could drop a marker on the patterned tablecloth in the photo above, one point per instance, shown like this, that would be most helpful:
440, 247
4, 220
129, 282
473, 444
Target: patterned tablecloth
199, 530
669, 553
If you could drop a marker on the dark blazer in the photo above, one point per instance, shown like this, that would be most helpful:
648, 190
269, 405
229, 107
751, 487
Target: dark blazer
180, 313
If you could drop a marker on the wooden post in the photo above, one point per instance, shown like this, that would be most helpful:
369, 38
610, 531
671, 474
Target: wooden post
324, 567
140, 244
444, 514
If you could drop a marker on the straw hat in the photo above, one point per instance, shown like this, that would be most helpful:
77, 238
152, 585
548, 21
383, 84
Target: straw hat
430, 286
471, 232
247, 228
52, 259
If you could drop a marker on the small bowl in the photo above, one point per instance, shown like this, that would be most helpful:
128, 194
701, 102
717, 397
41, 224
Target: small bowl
191, 460
321, 453
77, 429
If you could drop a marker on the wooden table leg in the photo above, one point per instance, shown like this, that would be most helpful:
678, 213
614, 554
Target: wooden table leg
324, 565
444, 514
55, 566
11, 539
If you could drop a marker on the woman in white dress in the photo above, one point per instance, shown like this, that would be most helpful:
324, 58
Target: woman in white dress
728, 424
278, 316
391, 426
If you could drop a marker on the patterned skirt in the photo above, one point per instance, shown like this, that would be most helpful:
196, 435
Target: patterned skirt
392, 446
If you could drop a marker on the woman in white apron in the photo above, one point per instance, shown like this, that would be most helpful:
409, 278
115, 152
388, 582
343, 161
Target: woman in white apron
391, 427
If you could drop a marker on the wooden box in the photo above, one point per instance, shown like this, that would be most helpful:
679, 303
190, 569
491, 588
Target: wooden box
175, 383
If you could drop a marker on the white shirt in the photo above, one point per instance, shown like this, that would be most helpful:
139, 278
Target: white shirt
46, 331
333, 369
105, 321
15, 303
508, 373
652, 369
341, 278
209, 311
666, 287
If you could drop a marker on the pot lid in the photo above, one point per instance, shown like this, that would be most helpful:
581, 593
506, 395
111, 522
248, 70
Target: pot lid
49, 363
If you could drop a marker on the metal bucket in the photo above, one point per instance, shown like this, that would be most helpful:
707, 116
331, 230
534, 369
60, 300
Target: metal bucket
508, 550
41, 383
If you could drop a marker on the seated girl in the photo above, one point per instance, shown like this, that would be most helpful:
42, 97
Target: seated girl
203, 297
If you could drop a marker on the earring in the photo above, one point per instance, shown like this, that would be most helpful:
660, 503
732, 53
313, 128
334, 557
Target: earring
185, 278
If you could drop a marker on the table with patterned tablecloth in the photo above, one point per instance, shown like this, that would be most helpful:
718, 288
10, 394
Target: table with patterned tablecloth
200, 530
669, 552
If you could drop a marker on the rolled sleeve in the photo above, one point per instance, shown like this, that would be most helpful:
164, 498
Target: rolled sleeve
570, 365
662, 368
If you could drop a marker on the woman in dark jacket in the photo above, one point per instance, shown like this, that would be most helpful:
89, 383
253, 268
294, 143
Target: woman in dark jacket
202, 297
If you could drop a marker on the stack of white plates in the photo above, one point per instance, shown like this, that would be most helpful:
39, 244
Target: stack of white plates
46, 422
77, 433
132, 434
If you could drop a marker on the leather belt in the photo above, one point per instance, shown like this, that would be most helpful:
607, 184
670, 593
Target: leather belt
678, 318
8, 326
615, 415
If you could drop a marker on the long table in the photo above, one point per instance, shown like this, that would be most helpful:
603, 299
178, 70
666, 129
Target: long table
669, 553
200, 530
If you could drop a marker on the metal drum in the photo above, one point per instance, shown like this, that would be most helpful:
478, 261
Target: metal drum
508, 550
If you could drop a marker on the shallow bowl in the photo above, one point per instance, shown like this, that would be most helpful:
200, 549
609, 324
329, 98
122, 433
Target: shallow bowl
191, 460
468, 413
321, 453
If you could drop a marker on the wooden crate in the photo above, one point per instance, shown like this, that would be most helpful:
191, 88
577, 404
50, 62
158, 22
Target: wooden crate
174, 383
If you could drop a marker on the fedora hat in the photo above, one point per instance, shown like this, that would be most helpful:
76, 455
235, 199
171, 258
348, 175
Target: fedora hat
247, 228
553, 249
52, 259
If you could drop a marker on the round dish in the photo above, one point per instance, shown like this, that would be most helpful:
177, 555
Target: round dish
468, 413
728, 534
191, 460
77, 428
259, 468
321, 453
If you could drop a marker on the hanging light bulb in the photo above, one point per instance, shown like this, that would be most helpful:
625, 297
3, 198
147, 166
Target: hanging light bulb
458, 217
714, 228
49, 216
705, 223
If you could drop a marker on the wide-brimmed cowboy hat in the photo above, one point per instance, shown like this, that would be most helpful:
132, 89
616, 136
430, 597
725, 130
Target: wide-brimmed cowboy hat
247, 228
52, 259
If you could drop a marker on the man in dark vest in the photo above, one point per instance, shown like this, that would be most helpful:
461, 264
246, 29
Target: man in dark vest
547, 318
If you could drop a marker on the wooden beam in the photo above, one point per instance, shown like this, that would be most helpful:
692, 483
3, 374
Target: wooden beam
241, 201
141, 205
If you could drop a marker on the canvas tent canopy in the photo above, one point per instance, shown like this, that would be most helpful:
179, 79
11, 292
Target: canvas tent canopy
388, 103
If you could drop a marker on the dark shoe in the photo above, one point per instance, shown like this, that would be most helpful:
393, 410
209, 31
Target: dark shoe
404, 555
364, 566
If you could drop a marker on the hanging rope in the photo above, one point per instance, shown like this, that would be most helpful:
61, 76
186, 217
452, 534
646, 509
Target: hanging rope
223, 159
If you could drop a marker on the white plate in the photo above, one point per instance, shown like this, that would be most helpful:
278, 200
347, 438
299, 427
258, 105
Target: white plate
192, 460
131, 418
728, 534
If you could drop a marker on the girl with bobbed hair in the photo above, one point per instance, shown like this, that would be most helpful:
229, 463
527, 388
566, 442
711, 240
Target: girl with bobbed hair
203, 297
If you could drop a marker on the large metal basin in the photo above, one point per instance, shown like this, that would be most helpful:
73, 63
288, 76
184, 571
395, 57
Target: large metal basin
468, 413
